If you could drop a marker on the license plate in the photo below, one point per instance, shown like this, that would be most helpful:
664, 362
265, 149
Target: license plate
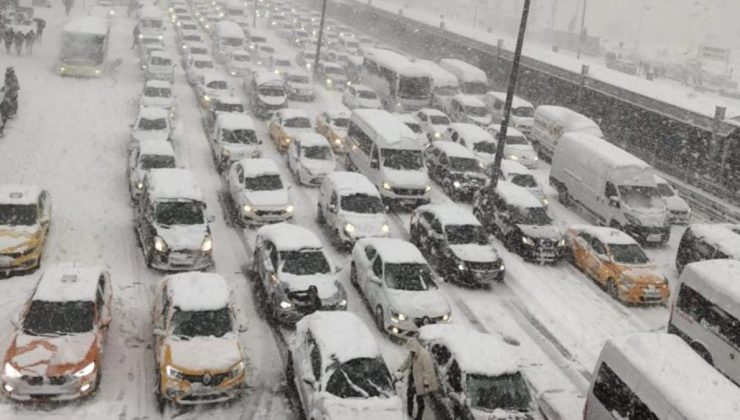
654, 237
179, 259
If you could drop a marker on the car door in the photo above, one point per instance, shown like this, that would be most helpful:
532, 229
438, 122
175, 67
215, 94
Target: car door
294, 151
103, 302
310, 370
596, 258
275, 127
133, 160
431, 159
322, 124
332, 213
581, 249
236, 182
375, 285
161, 322
363, 263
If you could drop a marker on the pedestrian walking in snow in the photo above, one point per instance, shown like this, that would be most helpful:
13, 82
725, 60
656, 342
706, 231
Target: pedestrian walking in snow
10, 92
19, 38
3, 117
40, 25
136, 36
422, 379
67, 6
30, 40
8, 37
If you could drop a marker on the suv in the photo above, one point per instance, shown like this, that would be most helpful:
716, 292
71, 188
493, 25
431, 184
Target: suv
517, 174
258, 193
455, 168
56, 350
708, 242
171, 222
351, 208
197, 353
233, 138
520, 221
25, 216
267, 94
517, 147
475, 139
294, 271
398, 285
147, 155
221, 105
456, 243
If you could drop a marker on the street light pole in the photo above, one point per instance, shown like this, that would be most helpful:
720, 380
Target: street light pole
581, 33
513, 74
321, 36
254, 14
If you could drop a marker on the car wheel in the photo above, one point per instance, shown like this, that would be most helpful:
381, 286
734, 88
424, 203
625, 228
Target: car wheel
161, 401
380, 319
612, 289
353, 276
703, 352
564, 197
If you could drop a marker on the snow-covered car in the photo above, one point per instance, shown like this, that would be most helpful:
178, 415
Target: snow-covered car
299, 84
350, 208
522, 112
456, 243
145, 156
148, 48
187, 30
305, 58
310, 158
332, 75
279, 64
214, 85
197, 353
413, 124
151, 124
333, 125
518, 219
433, 121
233, 138
475, 138
159, 66
679, 210
258, 193
288, 123
478, 375
238, 63
517, 174
221, 105
190, 49
158, 94
198, 65
469, 109
455, 168
25, 216
617, 263
102, 9
360, 96
267, 94
517, 147
151, 20
398, 285
340, 376
56, 349
171, 222
294, 270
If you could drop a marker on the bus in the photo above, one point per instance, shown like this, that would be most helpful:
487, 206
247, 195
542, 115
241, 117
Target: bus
401, 85
84, 46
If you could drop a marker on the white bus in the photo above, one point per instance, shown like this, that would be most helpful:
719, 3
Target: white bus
84, 47
444, 83
706, 313
400, 83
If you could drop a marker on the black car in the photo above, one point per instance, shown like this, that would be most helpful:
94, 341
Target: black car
708, 242
519, 220
455, 168
456, 244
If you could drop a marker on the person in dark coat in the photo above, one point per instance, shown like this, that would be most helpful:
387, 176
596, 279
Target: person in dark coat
40, 25
19, 39
8, 37
136, 36
3, 117
10, 92
30, 40
67, 6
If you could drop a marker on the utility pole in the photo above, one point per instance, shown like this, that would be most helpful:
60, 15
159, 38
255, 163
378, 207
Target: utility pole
582, 33
321, 37
254, 14
501, 141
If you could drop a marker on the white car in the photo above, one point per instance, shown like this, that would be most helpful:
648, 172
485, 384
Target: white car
433, 121
340, 376
214, 85
190, 49
159, 66
238, 63
360, 96
198, 65
469, 109
517, 174
152, 124
475, 138
280, 64
310, 158
398, 285
258, 192
158, 93
517, 146
680, 211
147, 155
299, 84
233, 138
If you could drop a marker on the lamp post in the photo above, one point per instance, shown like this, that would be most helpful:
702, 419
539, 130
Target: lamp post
582, 32
321, 36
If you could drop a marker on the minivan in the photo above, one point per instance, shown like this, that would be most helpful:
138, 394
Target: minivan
552, 122
708, 242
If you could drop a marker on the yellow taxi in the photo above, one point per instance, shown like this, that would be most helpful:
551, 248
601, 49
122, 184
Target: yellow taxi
618, 263
288, 123
25, 215
333, 125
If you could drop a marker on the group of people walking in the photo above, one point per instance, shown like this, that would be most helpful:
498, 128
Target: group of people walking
9, 103
19, 35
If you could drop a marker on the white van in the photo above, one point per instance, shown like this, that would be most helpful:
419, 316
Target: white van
387, 152
522, 112
234, 11
227, 37
472, 80
656, 376
705, 312
150, 21
444, 83
615, 187
552, 122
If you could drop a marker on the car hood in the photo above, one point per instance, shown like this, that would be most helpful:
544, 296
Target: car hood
18, 238
292, 132
365, 224
318, 166
362, 408
406, 179
275, 198
475, 252
160, 69
481, 121
150, 135
370, 103
500, 414
326, 285
419, 304
520, 150
51, 356
157, 102
183, 237
541, 232
272, 100
205, 353
676, 203
241, 151
643, 273
648, 216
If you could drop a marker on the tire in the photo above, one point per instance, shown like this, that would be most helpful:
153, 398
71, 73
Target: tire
161, 401
353, 276
380, 319
702, 351
564, 197
612, 289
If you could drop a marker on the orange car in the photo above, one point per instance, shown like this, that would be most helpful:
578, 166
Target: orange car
333, 125
618, 263
57, 348
286, 124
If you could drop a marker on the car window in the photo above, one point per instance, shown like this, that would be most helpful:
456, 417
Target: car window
598, 247
378, 267
316, 361
454, 377
610, 190
370, 253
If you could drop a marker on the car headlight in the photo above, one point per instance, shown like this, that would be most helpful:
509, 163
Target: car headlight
535, 158
159, 37
207, 244
285, 304
173, 373
527, 241
512, 157
159, 244
446, 317
385, 228
86, 370
247, 208
349, 227
329, 81
233, 73
456, 184
139, 185
427, 188
397, 316
545, 201
437, 134
387, 185
141, 36
343, 302
461, 266
627, 283
289, 209
561, 242
206, 98
11, 372
237, 369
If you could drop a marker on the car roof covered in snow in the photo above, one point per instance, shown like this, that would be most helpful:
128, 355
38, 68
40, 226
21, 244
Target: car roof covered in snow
87, 25
289, 237
690, 385
161, 84
572, 120
228, 29
201, 57
433, 111
607, 235
311, 140
474, 351
717, 281
516, 196
363, 88
338, 113
513, 167
254, 167
234, 121
198, 291
347, 183
68, 282
341, 335
468, 100
517, 102
450, 214
395, 61
440, 77
388, 127
19, 194
153, 113
452, 149
263, 76
494, 129
472, 132
592, 147
463, 70
160, 54
156, 147
720, 236
290, 113
150, 12
332, 65
173, 184
406, 118
394, 250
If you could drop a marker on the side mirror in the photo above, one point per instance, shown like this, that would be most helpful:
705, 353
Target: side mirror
158, 332
243, 328
373, 278
374, 164
332, 208
614, 201
337, 268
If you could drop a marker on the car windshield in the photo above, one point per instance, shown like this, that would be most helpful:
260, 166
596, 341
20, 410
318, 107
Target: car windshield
304, 262
367, 94
189, 324
232, 42
160, 61
459, 164
198, 50
170, 213
523, 112
414, 87
641, 197
487, 147
156, 161
446, 90
340, 122
297, 78
628, 254
226, 107
439, 119
58, 318
317, 152
360, 378
362, 203
524, 180
466, 234
476, 111
17, 214
217, 84
507, 392
409, 276
204, 64
263, 183
333, 70
402, 159
156, 124
282, 63
516, 140
536, 216
475, 88
241, 58
267, 49
258, 39
192, 37
297, 122
271, 91
665, 190
156, 92
416, 128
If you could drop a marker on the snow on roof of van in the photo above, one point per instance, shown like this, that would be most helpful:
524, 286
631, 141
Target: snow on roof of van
463, 70
68, 282
234, 121
607, 235
19, 194
517, 196
395, 61
472, 132
150, 12
718, 281
153, 113
156, 147
572, 120
198, 291
386, 125
311, 140
254, 167
289, 237
341, 335
720, 236
452, 149
173, 183
394, 250
469, 100
591, 146
474, 351
687, 383
516, 102
228, 29
440, 77
347, 183
450, 214
87, 25
160, 84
